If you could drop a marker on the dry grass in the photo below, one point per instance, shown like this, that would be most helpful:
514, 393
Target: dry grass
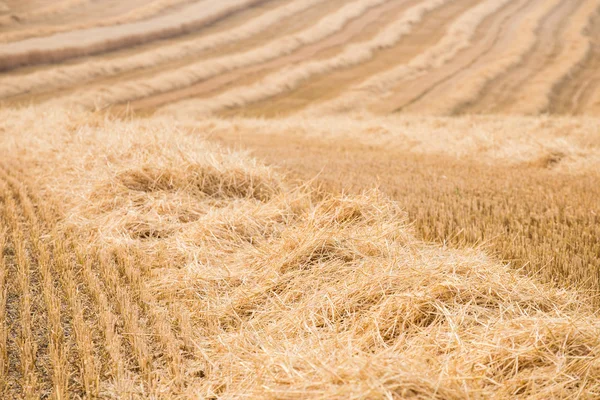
55, 8
393, 257
458, 37
292, 77
504, 61
3, 324
479, 57
42, 29
205, 69
577, 47
60, 368
231, 281
529, 198
67, 75
27, 346
66, 45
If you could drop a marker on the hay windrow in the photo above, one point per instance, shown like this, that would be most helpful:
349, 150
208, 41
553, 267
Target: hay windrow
273, 290
423, 223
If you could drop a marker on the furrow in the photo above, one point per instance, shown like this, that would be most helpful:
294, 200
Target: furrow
116, 361
537, 92
458, 37
360, 28
45, 12
444, 98
490, 35
194, 73
64, 46
143, 12
59, 363
323, 87
501, 94
69, 280
291, 78
572, 94
88, 371
70, 75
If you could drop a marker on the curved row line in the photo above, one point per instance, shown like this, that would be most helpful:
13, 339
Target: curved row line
139, 13
52, 9
73, 44
288, 79
458, 37
321, 88
576, 48
356, 30
575, 95
476, 79
496, 39
68, 75
501, 93
437, 84
196, 72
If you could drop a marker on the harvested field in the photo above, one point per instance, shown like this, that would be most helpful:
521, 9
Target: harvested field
371, 199
435, 57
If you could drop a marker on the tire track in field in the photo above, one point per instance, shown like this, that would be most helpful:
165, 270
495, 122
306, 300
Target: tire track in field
67, 45
574, 95
244, 76
56, 81
325, 87
291, 78
500, 93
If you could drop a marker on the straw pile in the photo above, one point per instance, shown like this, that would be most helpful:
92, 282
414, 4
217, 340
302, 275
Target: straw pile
270, 289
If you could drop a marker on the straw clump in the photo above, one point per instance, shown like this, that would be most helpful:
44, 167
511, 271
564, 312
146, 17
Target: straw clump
273, 289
